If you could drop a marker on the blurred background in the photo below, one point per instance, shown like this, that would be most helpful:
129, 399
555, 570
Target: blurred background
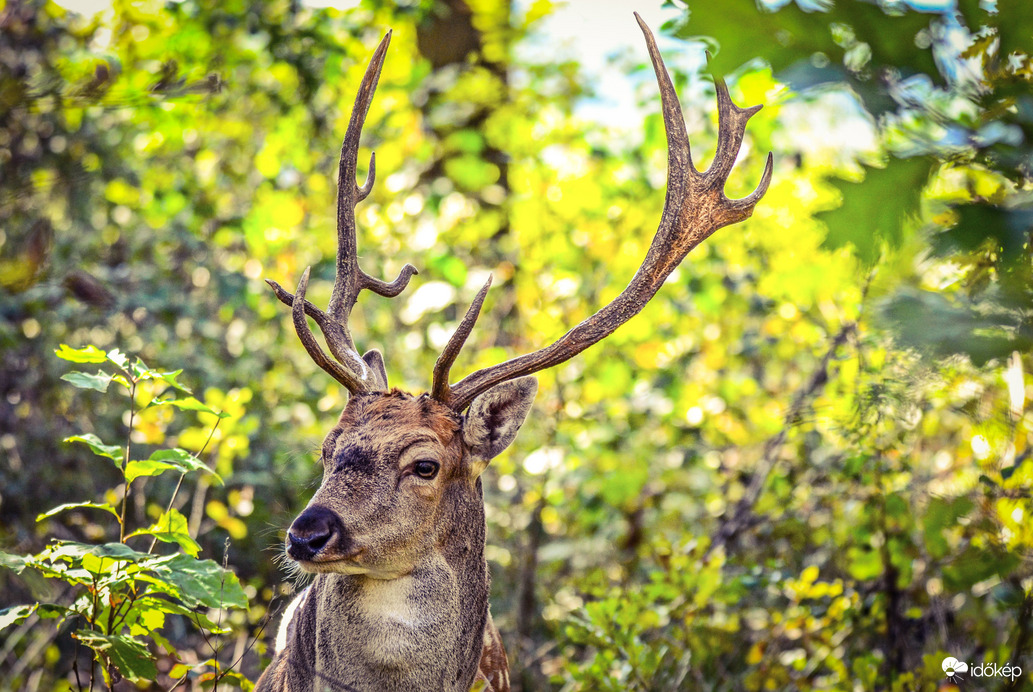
805, 465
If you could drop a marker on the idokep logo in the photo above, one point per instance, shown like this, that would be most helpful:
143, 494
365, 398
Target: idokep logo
954, 669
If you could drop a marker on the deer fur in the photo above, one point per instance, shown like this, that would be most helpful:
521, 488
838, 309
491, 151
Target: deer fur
400, 597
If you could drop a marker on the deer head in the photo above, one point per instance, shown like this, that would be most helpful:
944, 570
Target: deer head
401, 482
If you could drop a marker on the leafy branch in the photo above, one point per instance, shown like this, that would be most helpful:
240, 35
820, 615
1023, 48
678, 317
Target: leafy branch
120, 595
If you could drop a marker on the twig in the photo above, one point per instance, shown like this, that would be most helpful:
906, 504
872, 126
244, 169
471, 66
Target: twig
179, 483
526, 608
75, 666
125, 459
252, 641
740, 517
894, 627
1022, 639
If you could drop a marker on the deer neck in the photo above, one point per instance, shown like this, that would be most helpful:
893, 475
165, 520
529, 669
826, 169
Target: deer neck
421, 630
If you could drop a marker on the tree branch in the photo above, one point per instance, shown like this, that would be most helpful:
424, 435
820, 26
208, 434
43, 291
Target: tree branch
740, 518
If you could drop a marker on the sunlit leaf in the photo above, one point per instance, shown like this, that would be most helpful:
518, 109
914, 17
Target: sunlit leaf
170, 378
70, 550
15, 615
16, 563
196, 582
87, 354
167, 460
113, 452
85, 380
865, 564
171, 527
148, 467
189, 404
117, 357
78, 505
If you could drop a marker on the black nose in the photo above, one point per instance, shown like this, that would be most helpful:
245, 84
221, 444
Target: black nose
314, 530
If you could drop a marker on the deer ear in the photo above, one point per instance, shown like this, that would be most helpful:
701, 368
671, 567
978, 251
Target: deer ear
375, 360
494, 419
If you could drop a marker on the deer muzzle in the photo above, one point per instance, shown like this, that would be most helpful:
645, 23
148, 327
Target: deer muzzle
318, 532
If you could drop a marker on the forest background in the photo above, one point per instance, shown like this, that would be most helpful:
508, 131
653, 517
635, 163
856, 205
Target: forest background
805, 466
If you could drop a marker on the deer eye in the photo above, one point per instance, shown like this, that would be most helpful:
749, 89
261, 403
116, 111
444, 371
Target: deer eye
426, 469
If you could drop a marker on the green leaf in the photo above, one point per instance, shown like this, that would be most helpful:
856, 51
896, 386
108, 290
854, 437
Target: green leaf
792, 35
941, 326
196, 582
15, 615
449, 267
935, 521
167, 460
112, 452
84, 380
173, 608
974, 565
873, 211
147, 467
471, 172
183, 459
1008, 230
170, 378
79, 505
864, 564
129, 655
87, 354
117, 357
101, 566
164, 643
72, 552
171, 527
188, 404
147, 620
15, 563
141, 371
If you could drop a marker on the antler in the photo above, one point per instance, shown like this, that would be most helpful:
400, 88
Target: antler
349, 368
695, 207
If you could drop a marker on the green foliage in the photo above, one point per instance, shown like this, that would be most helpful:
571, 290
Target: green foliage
901, 181
116, 599
957, 127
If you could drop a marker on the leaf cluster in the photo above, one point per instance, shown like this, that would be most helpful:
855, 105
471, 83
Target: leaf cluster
116, 599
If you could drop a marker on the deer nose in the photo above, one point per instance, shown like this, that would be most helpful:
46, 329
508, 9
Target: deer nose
313, 530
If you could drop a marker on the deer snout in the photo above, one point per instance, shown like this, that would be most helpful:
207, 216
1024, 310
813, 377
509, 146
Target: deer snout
314, 530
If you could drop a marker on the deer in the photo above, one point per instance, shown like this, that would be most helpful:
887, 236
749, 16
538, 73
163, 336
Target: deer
395, 533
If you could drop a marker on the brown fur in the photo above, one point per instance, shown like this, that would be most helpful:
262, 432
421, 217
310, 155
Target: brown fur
400, 600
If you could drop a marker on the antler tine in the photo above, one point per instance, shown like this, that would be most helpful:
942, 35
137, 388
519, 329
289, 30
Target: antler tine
349, 369
745, 205
344, 375
350, 277
730, 130
440, 389
695, 206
